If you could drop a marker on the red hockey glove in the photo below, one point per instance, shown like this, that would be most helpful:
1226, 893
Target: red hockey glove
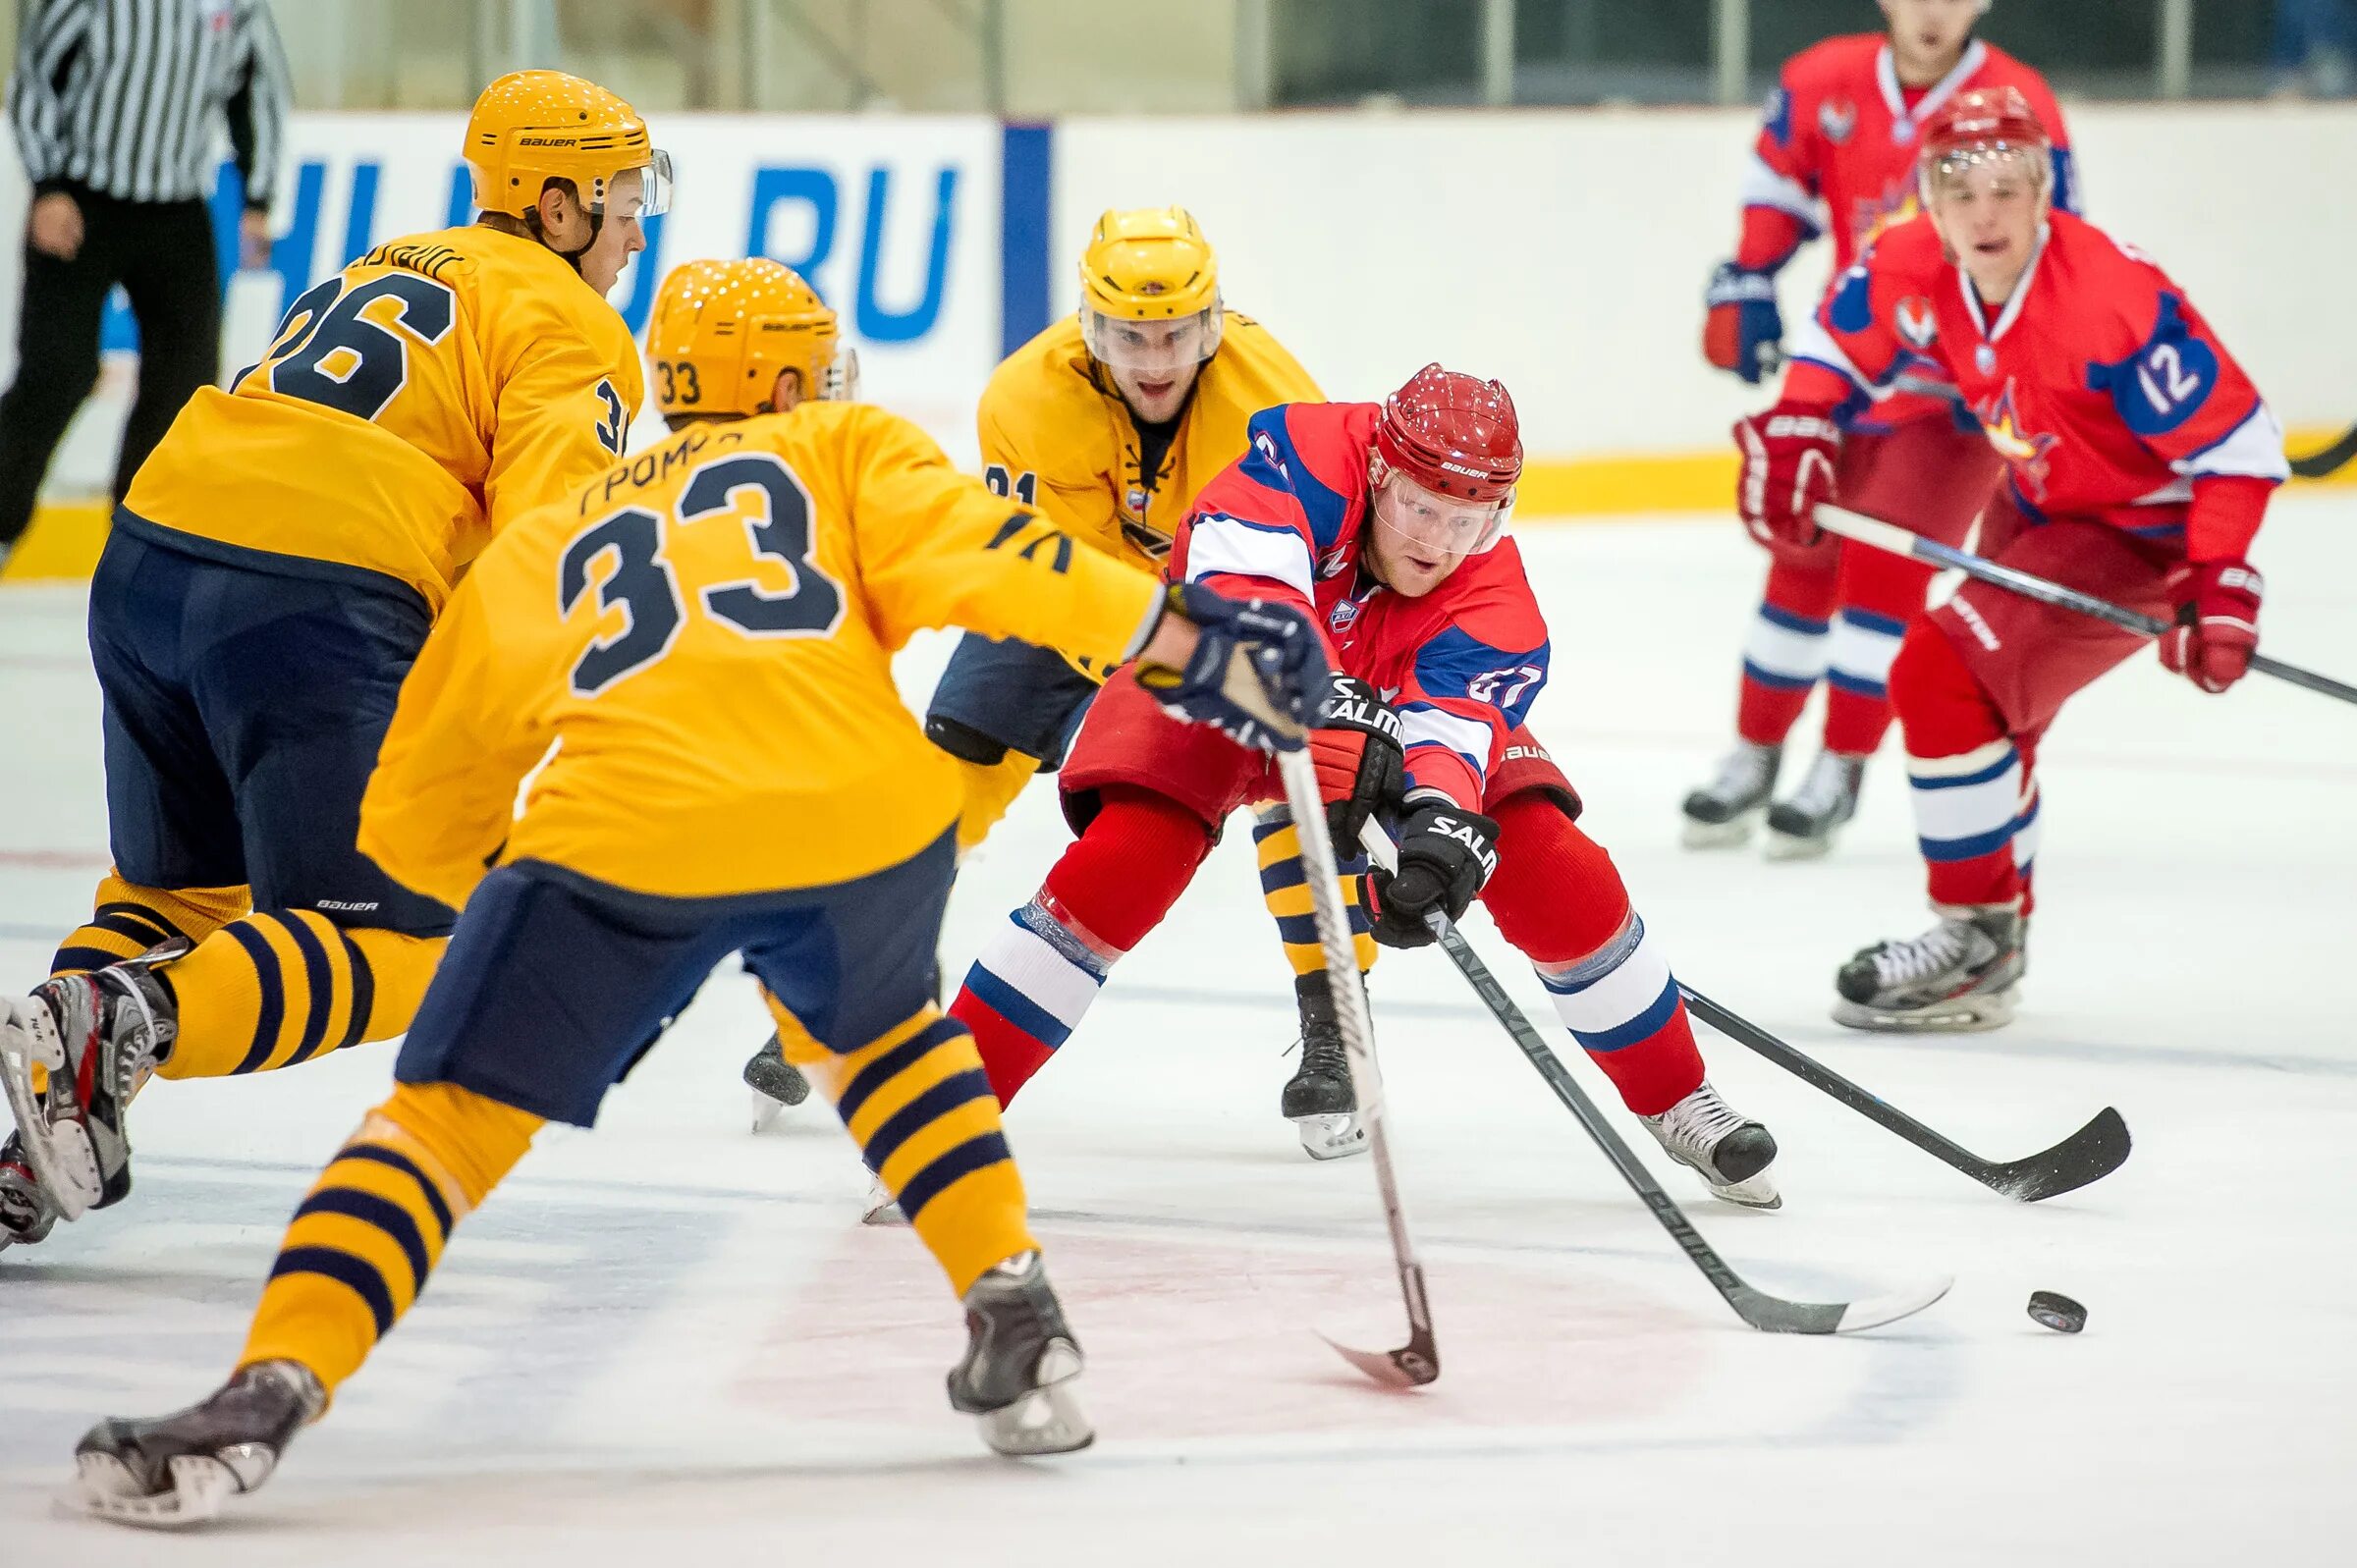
1361, 756
1788, 454
2217, 624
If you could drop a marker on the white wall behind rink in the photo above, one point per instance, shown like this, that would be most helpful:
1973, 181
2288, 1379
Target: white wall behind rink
1564, 252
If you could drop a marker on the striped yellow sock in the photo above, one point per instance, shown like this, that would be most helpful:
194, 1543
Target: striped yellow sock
918, 1104
1284, 889
361, 1248
130, 919
281, 987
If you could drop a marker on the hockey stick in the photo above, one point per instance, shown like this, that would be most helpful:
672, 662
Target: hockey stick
1419, 1360
2090, 1154
1773, 1314
2331, 460
1900, 542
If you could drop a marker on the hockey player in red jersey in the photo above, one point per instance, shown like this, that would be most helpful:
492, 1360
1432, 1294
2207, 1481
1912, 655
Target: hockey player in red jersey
1388, 522
1838, 154
2139, 461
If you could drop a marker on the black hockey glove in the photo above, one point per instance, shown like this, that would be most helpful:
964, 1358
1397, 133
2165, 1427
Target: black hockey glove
1361, 758
1446, 854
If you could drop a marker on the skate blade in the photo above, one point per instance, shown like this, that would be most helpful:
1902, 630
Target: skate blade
1046, 1421
882, 1209
1729, 834
1332, 1136
1778, 845
1757, 1193
1961, 1016
61, 1156
104, 1489
766, 1112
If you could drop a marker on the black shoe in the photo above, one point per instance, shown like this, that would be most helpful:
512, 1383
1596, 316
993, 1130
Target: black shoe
178, 1469
1721, 812
777, 1084
1963, 974
1020, 1361
1802, 827
1320, 1100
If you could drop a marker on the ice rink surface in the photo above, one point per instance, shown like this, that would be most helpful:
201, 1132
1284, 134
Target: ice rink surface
671, 1341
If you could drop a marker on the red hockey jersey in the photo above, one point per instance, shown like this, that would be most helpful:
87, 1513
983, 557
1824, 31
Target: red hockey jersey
2107, 394
1288, 521
1837, 152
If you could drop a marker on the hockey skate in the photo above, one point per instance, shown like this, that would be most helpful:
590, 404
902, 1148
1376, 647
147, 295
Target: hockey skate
1731, 1152
98, 1037
1802, 826
1319, 1099
177, 1470
777, 1085
1721, 814
1019, 1363
27, 1214
1963, 974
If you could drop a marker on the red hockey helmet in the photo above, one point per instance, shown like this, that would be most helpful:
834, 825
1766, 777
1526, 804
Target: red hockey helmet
1453, 435
1984, 123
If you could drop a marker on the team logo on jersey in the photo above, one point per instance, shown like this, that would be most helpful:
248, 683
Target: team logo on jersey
1343, 615
1335, 561
1837, 120
2026, 451
1916, 322
1134, 498
1984, 359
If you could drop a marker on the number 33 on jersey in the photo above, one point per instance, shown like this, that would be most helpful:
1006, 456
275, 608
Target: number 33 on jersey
459, 379
705, 634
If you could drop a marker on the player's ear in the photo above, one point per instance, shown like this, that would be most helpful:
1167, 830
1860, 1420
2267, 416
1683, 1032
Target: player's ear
787, 393
556, 205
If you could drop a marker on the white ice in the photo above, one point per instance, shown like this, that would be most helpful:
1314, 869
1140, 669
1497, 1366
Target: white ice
671, 1341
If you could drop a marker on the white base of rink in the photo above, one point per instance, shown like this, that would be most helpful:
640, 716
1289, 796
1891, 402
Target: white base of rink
672, 1342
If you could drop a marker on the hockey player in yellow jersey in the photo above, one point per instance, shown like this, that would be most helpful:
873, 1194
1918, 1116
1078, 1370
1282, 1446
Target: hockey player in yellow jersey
1108, 422
271, 575
704, 635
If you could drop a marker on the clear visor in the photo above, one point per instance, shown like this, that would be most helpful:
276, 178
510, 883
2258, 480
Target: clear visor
643, 191
840, 381
1151, 348
1995, 170
1433, 525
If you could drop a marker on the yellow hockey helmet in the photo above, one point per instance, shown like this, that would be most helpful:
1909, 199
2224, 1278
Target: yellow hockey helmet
1149, 291
532, 127
720, 331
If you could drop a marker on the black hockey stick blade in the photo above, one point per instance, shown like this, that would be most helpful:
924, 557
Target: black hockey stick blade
2331, 460
1412, 1365
2092, 1153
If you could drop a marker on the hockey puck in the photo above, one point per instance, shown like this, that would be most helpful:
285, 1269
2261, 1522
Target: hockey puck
2057, 1311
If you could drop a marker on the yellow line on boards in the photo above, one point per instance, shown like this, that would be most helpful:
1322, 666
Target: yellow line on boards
66, 536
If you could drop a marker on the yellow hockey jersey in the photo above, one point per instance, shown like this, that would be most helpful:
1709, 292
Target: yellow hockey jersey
408, 408
1057, 435
705, 634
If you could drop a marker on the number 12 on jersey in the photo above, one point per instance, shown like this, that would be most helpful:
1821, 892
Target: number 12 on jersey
643, 584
